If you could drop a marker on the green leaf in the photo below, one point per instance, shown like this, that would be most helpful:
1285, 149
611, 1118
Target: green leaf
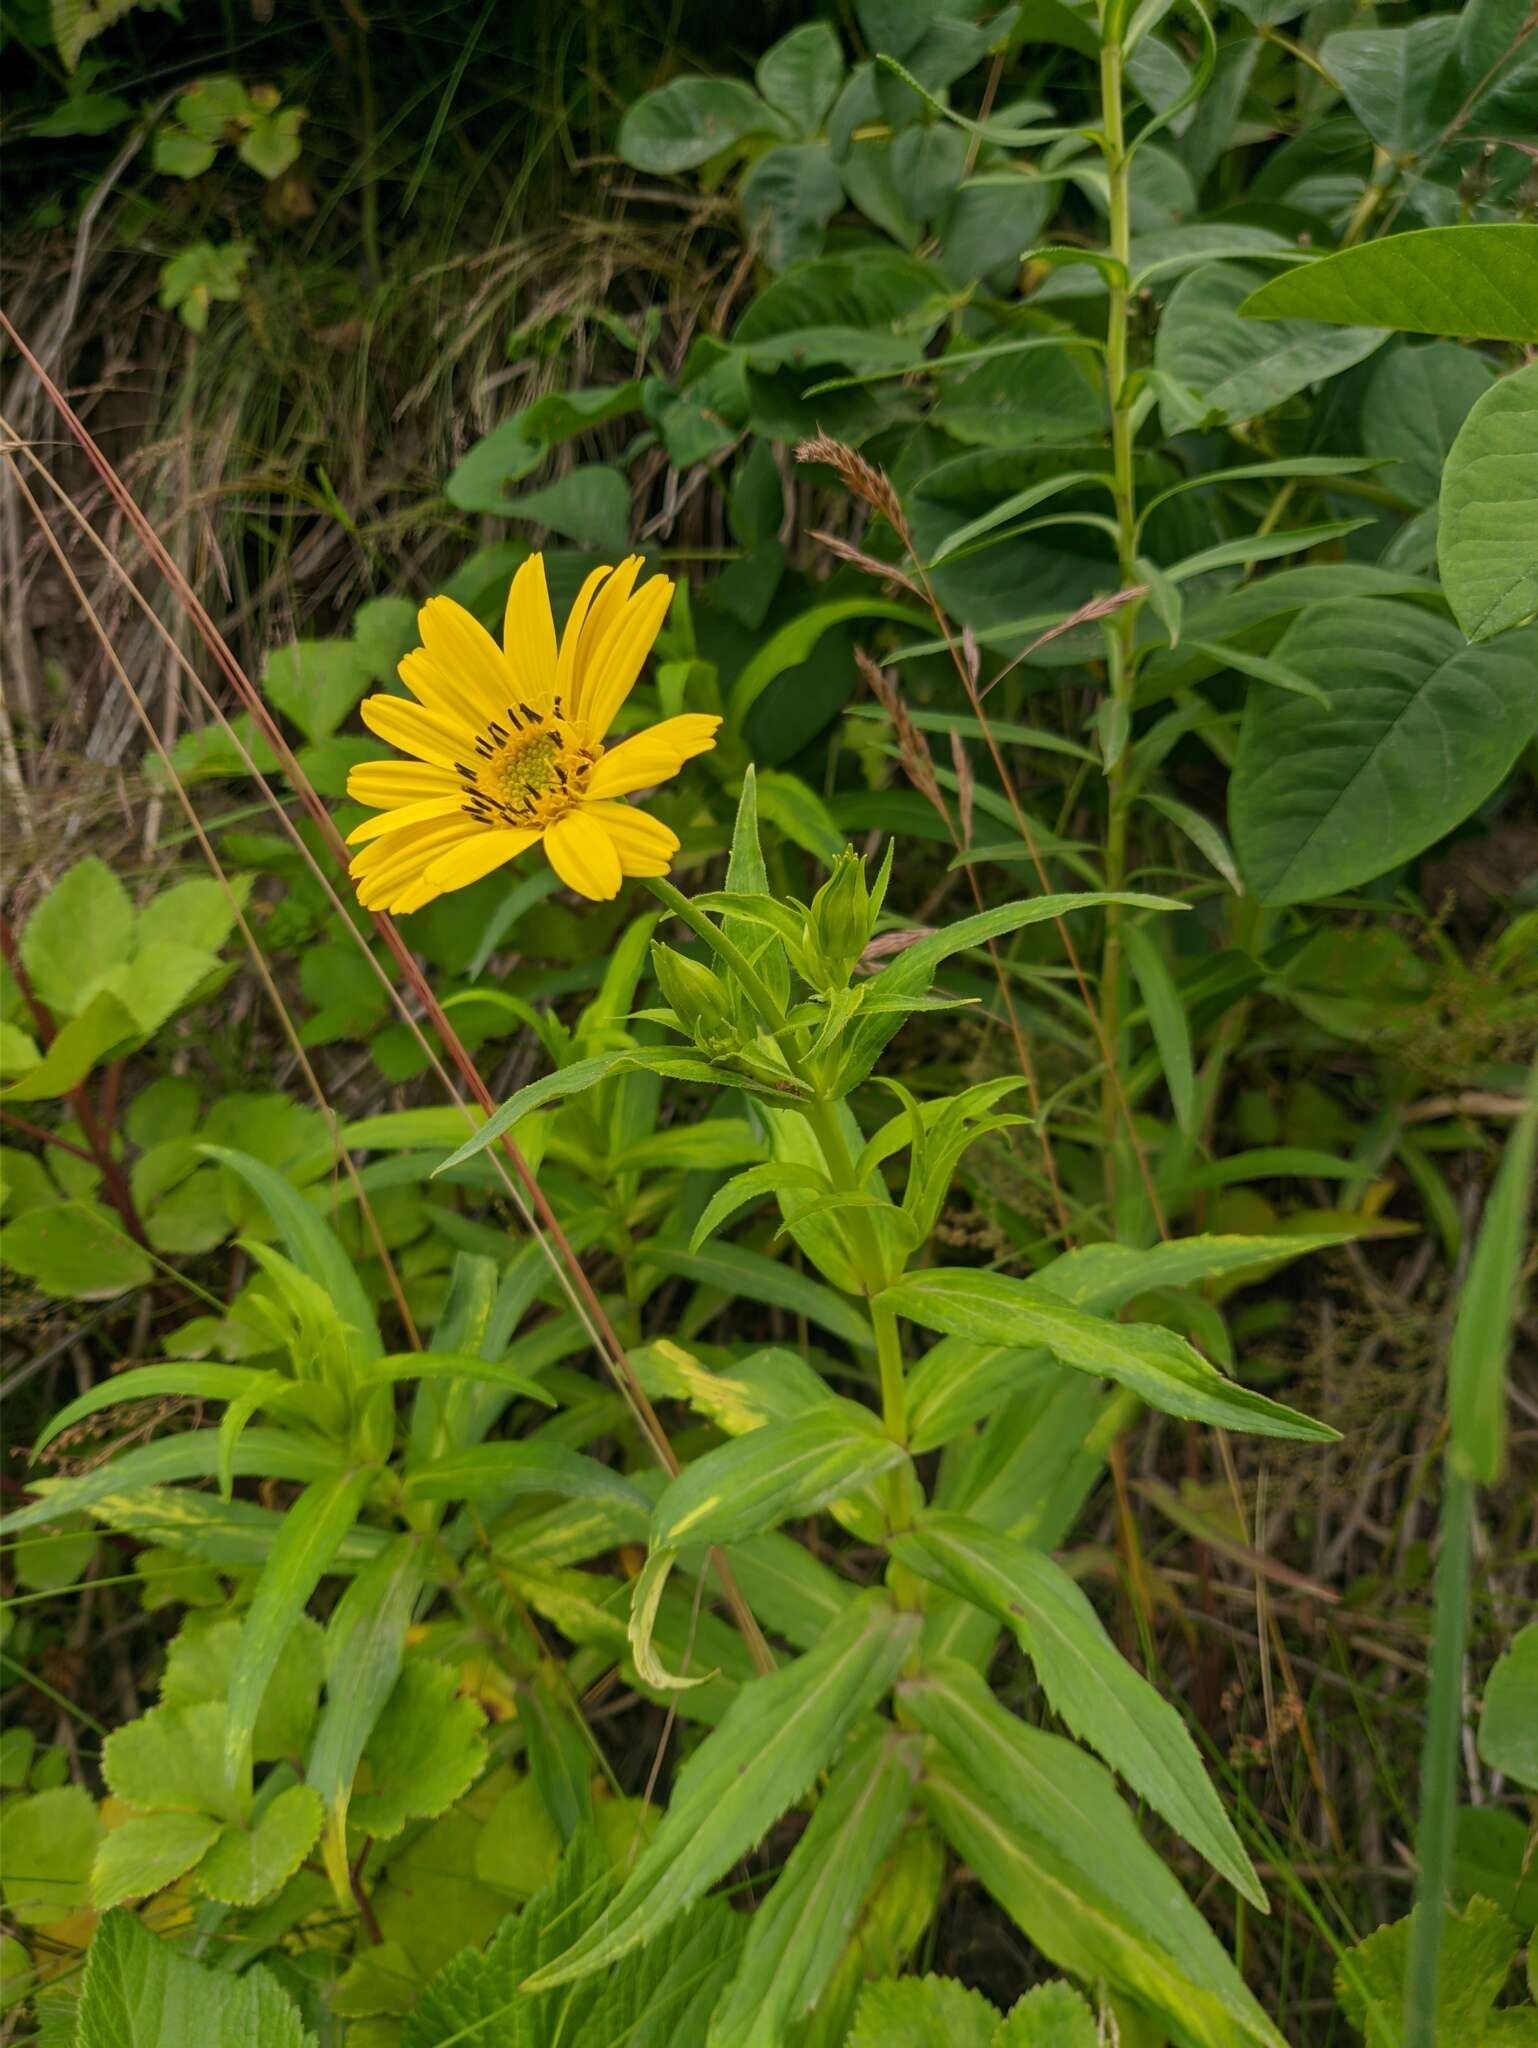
1051, 2016
572, 1080
741, 1273
1167, 1021
271, 143
1487, 532
265, 1453
589, 505
1508, 1726
509, 452
965, 537
762, 1479
1163, 1368
1394, 80
1420, 728
1417, 399
306, 1547
1242, 367
788, 197
176, 154
171, 1761
793, 644
1485, 1329
760, 1759
509, 1470
401, 1366
800, 75
200, 1664
145, 1855
922, 2012
105, 1026
1477, 280
316, 683
1041, 1825
685, 123
185, 1378
139, 1993
82, 928
1105, 1277
796, 1937
425, 1751
1090, 1685
250, 1862
1478, 1948
50, 1840
78, 1251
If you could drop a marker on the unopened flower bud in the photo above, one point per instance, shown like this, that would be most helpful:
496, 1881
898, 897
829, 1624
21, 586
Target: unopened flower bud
841, 920
697, 997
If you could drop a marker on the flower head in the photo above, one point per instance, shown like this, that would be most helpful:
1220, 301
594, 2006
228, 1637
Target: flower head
507, 746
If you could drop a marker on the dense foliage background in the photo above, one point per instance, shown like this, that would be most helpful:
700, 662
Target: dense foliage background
1086, 580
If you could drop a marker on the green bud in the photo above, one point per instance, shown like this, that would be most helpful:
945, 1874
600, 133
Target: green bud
696, 996
841, 920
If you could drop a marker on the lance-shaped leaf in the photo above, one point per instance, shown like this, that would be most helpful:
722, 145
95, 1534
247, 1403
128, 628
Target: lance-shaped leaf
760, 1480
1162, 1367
1478, 280
1042, 1826
306, 1544
188, 1379
260, 1454
770, 1744
796, 1938
1103, 1277
742, 1273
1487, 532
1091, 1685
508, 1470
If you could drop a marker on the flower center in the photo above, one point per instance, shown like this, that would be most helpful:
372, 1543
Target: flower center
525, 772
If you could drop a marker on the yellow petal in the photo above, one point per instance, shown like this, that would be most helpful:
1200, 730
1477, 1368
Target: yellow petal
584, 856
412, 897
393, 860
567, 672
462, 865
441, 693
386, 784
409, 814
528, 635
465, 657
414, 730
606, 610
625, 646
644, 844
650, 757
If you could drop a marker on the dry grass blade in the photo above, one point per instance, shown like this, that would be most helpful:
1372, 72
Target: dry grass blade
1097, 608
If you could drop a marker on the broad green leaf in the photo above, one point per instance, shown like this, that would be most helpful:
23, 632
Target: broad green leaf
251, 1861
1091, 1686
793, 644
425, 1750
1508, 1725
800, 75
81, 930
106, 1025
1420, 728
50, 1840
1051, 2016
685, 123
1041, 1825
1105, 1277
759, 1480
145, 1855
138, 1992
1240, 368
305, 1549
1395, 81
171, 1760
200, 1664
922, 2012
1166, 1020
1479, 1946
1417, 399
788, 197
991, 1308
589, 505
516, 447
1479, 280
1487, 531
76, 1251
761, 1758
316, 683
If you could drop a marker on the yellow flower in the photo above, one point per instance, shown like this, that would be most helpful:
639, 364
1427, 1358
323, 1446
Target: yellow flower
508, 746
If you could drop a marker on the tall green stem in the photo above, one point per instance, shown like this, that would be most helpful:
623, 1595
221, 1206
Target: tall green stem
1122, 633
